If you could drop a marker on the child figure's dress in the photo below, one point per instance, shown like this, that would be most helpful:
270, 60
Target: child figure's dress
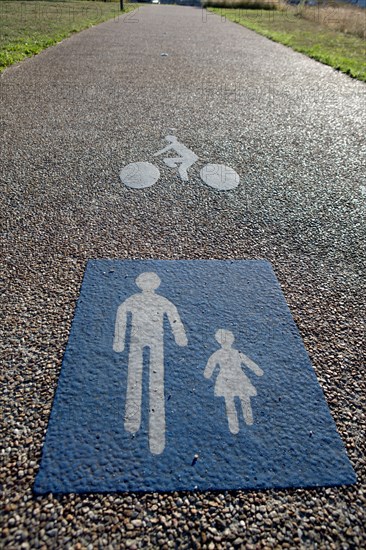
231, 381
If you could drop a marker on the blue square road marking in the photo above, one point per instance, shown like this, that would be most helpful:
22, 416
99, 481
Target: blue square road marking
182, 375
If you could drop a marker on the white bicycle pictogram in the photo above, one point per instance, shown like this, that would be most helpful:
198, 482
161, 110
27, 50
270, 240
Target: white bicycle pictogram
139, 175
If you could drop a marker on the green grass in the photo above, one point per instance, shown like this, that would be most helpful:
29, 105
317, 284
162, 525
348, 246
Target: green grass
27, 28
341, 51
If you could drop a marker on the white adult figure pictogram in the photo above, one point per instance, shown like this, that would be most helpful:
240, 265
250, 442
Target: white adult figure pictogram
231, 381
186, 159
148, 310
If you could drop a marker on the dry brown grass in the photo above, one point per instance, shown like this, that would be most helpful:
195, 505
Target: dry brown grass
242, 4
343, 18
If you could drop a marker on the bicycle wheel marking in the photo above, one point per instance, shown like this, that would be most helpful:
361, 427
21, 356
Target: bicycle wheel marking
139, 175
220, 177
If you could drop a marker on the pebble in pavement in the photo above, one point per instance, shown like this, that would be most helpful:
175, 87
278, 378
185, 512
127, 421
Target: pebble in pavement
293, 128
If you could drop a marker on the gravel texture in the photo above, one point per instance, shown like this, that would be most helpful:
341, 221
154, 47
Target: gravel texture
293, 130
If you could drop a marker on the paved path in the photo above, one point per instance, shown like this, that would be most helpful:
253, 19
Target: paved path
293, 129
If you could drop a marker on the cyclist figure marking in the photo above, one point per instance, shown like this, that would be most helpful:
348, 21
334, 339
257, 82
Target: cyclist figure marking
186, 160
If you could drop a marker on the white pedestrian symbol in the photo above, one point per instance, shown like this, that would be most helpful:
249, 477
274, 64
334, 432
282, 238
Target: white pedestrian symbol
140, 175
231, 381
148, 310
186, 159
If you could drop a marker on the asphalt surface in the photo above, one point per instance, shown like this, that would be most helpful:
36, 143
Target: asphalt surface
72, 117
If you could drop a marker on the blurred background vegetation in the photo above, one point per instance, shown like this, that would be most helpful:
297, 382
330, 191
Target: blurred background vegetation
330, 31
27, 27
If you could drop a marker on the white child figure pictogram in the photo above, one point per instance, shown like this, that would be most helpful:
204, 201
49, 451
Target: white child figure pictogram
148, 310
231, 381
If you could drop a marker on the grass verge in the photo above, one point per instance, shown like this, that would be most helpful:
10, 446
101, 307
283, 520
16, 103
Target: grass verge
27, 28
344, 52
